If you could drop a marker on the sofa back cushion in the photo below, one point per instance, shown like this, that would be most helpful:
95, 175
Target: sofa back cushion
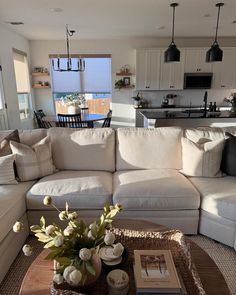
85, 149
140, 148
212, 133
31, 137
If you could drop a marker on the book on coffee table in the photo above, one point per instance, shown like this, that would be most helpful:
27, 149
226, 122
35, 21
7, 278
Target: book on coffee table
155, 272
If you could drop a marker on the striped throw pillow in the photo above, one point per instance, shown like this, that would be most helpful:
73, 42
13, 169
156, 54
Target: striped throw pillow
33, 162
7, 175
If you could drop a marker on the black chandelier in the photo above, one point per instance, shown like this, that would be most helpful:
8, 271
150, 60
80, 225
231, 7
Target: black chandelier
172, 53
215, 53
80, 63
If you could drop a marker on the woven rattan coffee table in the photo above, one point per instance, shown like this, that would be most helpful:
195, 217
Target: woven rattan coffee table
38, 278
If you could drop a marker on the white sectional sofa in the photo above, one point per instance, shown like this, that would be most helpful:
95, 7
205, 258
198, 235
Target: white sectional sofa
137, 168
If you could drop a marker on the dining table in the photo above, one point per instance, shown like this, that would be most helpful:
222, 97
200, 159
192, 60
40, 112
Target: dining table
85, 118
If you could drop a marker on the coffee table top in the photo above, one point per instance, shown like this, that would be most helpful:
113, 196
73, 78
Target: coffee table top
38, 278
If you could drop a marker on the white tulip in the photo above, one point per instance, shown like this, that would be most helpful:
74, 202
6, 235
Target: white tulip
109, 238
58, 278
47, 201
49, 229
18, 226
62, 215
27, 249
85, 254
90, 235
67, 271
73, 215
118, 249
58, 241
68, 231
75, 277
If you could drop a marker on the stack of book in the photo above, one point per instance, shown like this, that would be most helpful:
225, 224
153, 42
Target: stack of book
155, 273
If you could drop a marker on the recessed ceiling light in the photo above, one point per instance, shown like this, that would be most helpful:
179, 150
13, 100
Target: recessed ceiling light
234, 22
207, 15
56, 9
15, 23
161, 28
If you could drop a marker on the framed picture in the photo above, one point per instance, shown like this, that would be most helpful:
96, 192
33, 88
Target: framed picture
126, 81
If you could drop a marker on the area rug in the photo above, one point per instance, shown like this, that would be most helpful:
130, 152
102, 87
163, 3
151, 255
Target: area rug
224, 257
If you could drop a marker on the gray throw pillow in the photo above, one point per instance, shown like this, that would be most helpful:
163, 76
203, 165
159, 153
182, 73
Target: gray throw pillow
228, 163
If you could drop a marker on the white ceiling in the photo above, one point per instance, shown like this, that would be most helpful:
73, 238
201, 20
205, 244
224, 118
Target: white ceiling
117, 18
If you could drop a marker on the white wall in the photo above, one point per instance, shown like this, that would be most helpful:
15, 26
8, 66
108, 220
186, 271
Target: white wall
9, 40
123, 52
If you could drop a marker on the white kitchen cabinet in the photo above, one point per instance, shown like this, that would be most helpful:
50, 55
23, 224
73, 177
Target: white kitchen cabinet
195, 61
148, 69
172, 73
224, 73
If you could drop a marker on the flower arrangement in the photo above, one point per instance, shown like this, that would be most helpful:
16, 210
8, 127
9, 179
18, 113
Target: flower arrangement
232, 100
75, 99
74, 246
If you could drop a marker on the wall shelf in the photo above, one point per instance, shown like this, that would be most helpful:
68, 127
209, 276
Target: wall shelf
39, 74
40, 87
124, 74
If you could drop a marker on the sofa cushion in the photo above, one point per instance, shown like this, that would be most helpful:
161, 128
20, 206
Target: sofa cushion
218, 195
207, 157
159, 189
87, 149
33, 162
81, 189
141, 148
5, 139
30, 137
7, 175
12, 205
228, 163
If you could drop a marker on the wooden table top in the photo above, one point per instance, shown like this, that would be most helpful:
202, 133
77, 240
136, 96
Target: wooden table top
38, 278
86, 117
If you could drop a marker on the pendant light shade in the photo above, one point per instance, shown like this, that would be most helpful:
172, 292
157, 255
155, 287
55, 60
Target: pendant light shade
172, 54
215, 54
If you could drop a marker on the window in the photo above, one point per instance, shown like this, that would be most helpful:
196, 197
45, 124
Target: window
22, 83
94, 82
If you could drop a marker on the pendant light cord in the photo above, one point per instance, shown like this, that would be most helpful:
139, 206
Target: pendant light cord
173, 26
217, 23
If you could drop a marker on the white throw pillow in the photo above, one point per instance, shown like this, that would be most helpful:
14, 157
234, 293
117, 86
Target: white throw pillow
33, 162
202, 158
7, 174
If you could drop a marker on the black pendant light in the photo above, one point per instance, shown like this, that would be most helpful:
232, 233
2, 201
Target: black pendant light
215, 53
172, 53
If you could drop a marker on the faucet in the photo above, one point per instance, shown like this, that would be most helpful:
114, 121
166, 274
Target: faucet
205, 105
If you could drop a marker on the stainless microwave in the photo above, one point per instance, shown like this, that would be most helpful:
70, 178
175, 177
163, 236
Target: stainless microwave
197, 80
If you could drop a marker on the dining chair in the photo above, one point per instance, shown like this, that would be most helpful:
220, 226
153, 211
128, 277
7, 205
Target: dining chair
39, 114
71, 121
107, 121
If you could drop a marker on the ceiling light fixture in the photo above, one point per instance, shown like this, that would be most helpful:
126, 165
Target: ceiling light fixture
80, 63
16, 23
215, 53
172, 53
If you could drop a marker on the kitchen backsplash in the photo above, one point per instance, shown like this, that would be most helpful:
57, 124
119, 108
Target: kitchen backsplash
185, 97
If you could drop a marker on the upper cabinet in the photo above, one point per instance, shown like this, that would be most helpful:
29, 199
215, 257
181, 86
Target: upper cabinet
148, 69
224, 73
172, 73
195, 61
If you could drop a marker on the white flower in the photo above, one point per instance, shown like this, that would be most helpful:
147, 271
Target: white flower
17, 227
58, 241
47, 201
67, 271
75, 277
68, 231
49, 229
85, 254
118, 249
27, 249
73, 215
62, 215
90, 235
109, 238
58, 278
93, 226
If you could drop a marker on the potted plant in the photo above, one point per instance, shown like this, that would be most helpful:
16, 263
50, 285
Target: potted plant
73, 102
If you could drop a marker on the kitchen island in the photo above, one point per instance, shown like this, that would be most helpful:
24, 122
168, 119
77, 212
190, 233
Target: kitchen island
184, 117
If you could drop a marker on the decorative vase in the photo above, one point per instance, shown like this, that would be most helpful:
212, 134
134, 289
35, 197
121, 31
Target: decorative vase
72, 110
90, 281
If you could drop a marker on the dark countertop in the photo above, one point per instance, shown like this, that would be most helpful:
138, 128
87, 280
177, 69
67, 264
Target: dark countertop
184, 115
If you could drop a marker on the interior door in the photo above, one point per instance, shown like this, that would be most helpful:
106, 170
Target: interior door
3, 112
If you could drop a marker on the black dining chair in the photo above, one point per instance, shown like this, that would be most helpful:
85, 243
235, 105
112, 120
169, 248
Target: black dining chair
107, 121
71, 121
39, 114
